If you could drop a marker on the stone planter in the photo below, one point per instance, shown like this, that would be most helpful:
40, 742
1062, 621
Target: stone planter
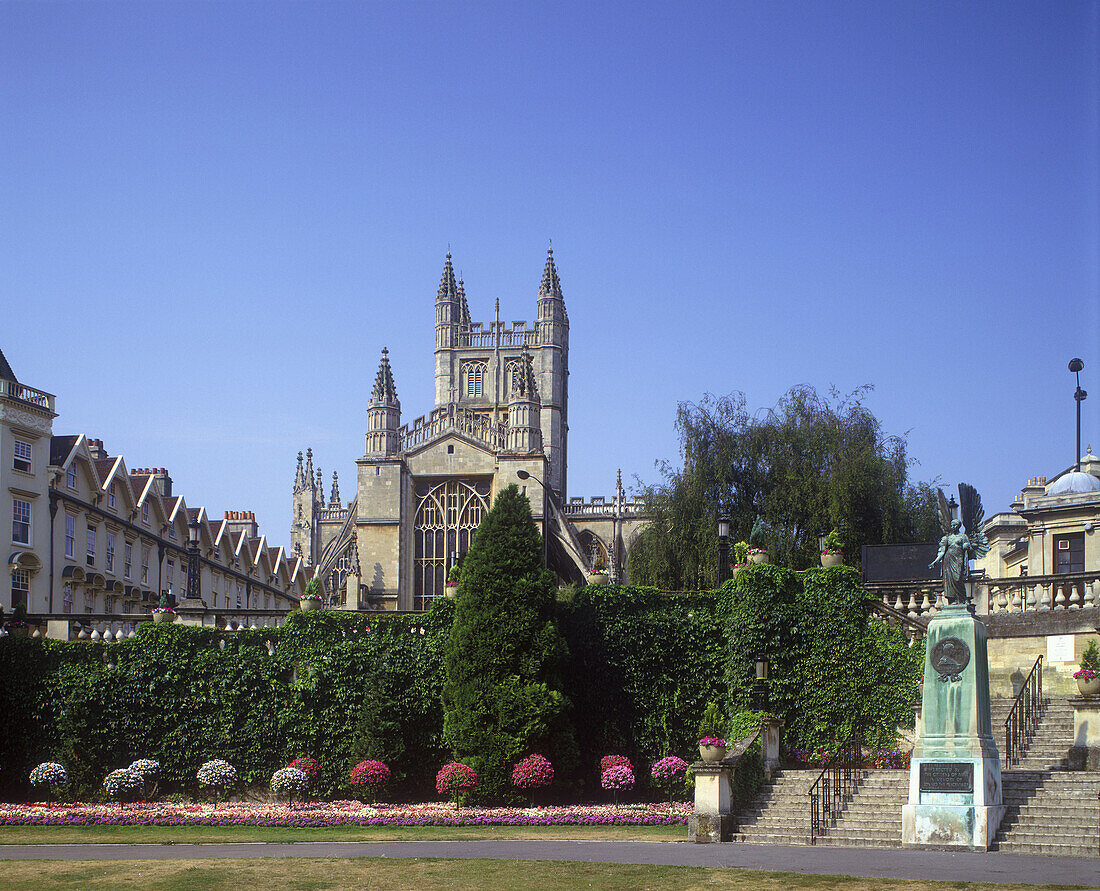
450, 589
309, 604
758, 558
163, 615
738, 568
597, 578
1089, 687
712, 754
832, 560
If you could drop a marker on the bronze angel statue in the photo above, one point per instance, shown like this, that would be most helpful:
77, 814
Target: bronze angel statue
959, 546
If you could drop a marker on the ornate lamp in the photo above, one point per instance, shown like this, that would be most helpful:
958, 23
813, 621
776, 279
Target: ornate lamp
723, 549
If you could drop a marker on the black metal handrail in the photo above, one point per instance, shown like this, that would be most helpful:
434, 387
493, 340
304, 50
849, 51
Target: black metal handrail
1024, 717
836, 784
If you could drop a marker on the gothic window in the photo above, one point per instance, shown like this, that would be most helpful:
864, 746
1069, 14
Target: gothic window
511, 369
447, 515
473, 379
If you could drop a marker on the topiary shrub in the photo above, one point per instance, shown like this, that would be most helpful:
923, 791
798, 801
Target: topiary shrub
456, 780
289, 781
49, 775
502, 693
368, 778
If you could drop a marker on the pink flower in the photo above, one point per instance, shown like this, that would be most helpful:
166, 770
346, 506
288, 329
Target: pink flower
455, 778
617, 778
615, 761
533, 772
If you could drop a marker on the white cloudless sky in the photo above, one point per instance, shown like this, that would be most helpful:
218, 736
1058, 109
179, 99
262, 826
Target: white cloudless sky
214, 216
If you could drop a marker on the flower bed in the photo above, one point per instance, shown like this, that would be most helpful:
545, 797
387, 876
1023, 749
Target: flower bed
339, 813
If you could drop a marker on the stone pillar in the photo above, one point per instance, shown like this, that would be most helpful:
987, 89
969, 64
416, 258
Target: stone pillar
712, 820
194, 612
1085, 753
955, 775
769, 746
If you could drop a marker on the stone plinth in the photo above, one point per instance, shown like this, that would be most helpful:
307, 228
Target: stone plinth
955, 776
712, 820
1085, 753
769, 747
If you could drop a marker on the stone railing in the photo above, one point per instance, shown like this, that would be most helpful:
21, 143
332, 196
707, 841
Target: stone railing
598, 506
29, 395
993, 596
333, 514
112, 627
452, 417
519, 335
1031, 593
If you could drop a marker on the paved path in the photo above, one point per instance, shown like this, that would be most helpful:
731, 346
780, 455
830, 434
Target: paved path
867, 862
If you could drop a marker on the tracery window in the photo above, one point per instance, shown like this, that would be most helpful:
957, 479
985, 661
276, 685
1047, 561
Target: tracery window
447, 515
473, 379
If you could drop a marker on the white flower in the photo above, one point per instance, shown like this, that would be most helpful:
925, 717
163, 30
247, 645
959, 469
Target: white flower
49, 773
145, 767
217, 773
122, 782
289, 781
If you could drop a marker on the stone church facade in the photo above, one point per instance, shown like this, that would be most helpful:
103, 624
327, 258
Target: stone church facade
501, 410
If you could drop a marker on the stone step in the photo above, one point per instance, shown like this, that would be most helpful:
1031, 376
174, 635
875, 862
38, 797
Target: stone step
1048, 848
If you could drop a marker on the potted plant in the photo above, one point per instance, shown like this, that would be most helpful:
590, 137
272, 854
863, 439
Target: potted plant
832, 552
312, 599
712, 744
740, 556
598, 575
17, 626
164, 612
1088, 676
758, 549
451, 585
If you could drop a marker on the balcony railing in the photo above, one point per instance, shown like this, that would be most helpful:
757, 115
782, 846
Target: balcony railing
28, 395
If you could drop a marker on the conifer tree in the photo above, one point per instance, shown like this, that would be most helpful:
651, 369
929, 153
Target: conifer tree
502, 695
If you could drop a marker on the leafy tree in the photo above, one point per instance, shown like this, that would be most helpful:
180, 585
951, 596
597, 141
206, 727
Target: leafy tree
502, 695
812, 462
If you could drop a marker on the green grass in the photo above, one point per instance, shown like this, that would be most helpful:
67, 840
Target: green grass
312, 874
67, 835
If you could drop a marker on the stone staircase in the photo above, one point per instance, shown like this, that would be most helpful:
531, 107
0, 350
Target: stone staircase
780, 815
1049, 810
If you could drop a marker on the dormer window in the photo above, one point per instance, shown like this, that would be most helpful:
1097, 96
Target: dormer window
111, 495
145, 513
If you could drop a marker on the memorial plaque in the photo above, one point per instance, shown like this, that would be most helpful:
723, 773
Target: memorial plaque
947, 777
949, 657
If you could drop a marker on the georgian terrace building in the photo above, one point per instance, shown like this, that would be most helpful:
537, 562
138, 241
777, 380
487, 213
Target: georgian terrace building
90, 536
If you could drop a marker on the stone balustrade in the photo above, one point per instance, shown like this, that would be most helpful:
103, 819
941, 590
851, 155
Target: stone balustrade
29, 395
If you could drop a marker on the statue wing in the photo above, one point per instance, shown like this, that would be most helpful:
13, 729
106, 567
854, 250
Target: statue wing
945, 512
972, 512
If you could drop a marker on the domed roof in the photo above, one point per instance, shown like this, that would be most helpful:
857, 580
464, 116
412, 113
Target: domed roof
1074, 483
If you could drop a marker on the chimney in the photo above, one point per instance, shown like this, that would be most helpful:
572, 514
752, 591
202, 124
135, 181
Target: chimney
238, 521
95, 447
162, 481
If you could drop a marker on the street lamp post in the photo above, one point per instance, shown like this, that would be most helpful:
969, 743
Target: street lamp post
546, 493
760, 687
194, 587
1075, 365
723, 550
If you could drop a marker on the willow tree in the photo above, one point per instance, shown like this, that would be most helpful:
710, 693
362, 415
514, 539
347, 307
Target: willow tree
809, 464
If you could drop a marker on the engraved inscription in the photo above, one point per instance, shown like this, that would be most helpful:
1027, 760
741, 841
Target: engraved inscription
950, 657
946, 777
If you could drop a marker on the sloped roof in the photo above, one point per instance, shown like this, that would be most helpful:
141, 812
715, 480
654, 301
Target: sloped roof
6, 373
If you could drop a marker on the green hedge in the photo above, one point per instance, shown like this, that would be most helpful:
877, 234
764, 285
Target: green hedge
642, 667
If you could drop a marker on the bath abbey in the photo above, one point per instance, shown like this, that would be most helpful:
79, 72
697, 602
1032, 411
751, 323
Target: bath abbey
501, 416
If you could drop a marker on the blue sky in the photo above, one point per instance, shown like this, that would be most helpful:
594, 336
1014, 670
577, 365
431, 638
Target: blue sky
215, 215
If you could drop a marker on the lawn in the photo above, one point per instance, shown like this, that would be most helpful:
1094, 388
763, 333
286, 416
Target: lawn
312, 874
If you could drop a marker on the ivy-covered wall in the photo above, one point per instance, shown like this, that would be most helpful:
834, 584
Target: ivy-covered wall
641, 669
